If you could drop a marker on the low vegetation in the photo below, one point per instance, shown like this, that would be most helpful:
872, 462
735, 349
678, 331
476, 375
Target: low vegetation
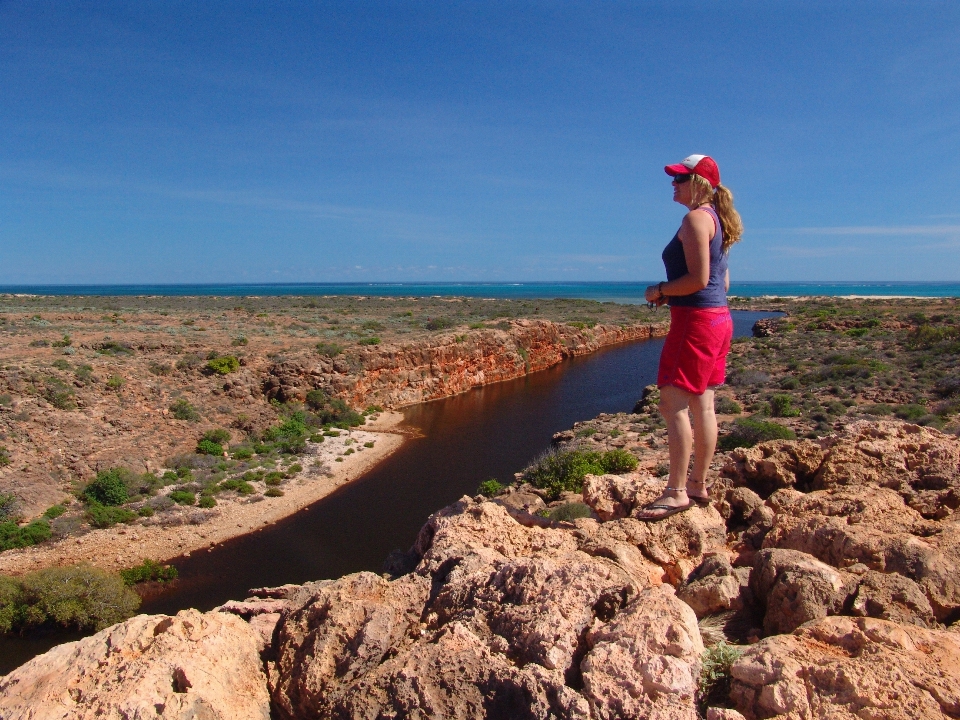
563, 471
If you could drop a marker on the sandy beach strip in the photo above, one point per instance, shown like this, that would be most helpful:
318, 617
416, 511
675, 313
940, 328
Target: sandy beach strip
124, 546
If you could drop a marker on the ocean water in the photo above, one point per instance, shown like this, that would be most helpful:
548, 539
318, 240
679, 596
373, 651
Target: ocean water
622, 292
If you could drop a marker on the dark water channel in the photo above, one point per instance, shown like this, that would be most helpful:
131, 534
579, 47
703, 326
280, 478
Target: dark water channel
492, 431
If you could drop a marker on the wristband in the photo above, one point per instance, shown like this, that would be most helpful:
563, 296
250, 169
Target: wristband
660, 289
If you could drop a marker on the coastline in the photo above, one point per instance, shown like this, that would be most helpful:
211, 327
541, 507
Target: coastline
125, 546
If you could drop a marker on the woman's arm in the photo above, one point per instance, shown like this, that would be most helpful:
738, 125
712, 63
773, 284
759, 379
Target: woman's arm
726, 281
695, 233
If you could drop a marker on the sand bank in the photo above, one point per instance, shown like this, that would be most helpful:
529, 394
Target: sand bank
326, 468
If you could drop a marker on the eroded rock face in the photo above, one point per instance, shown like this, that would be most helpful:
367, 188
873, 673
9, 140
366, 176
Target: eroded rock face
193, 665
498, 620
843, 667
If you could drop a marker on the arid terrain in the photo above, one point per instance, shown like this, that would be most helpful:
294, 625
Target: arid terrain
820, 582
89, 385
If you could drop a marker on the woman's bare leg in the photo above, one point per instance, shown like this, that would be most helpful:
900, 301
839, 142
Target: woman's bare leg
673, 407
704, 440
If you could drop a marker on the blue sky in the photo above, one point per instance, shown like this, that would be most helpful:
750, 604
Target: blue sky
278, 142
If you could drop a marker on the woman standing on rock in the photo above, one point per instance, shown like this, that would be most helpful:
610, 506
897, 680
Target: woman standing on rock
693, 359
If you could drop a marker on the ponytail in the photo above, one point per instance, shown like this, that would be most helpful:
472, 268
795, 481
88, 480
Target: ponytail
722, 199
730, 220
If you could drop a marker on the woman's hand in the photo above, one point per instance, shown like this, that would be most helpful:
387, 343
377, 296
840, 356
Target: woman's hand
653, 295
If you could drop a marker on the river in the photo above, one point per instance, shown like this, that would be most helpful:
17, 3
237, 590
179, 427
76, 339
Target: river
492, 431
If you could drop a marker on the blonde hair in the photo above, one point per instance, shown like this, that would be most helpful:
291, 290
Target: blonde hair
702, 192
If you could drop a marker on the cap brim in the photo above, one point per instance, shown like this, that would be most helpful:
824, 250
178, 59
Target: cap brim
678, 169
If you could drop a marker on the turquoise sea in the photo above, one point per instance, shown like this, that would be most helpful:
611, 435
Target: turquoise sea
623, 292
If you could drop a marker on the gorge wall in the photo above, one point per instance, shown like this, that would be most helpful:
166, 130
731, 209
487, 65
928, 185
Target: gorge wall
398, 375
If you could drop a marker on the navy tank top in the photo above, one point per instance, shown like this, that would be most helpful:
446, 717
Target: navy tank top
714, 294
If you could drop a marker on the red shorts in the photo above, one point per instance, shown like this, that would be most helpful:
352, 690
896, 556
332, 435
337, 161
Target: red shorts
694, 356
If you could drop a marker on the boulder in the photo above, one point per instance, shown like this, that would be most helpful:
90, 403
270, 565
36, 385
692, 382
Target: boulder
775, 464
611, 496
193, 665
644, 663
713, 587
893, 597
795, 587
844, 667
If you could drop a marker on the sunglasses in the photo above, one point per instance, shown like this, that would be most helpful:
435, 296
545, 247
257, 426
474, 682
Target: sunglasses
681, 179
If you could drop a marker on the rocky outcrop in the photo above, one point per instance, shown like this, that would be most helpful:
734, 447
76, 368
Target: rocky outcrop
842, 667
839, 590
405, 374
193, 665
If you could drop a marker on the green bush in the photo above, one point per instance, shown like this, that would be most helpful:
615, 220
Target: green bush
19, 536
103, 516
714, 686
878, 409
161, 369
115, 382
570, 511
782, 406
274, 492
726, 406
618, 461
439, 323
218, 435
4, 456
59, 394
55, 511
274, 478
558, 472
108, 488
242, 453
182, 410
317, 399
370, 341
747, 432
207, 501
489, 487
145, 511
80, 597
64, 342
182, 497
148, 571
329, 349
223, 365
910, 412
241, 486
205, 447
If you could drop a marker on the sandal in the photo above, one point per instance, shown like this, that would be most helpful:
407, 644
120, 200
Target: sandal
670, 510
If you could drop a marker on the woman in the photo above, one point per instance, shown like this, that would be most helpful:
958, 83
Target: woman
694, 355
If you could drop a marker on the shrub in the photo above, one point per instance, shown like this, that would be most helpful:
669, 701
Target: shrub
61, 364
369, 444
618, 461
274, 478
240, 341
489, 487
103, 516
273, 492
160, 369
911, 412
182, 497
714, 686
370, 341
747, 432
17, 536
439, 323
878, 409
294, 469
63, 342
83, 373
148, 571
749, 377
55, 511
4, 456
114, 348
329, 349
207, 501
242, 453
218, 436
557, 472
182, 410
5, 399
241, 486
189, 362
58, 393
782, 406
570, 511
9, 506
223, 365
317, 399
145, 511
108, 488
81, 597
115, 382
726, 406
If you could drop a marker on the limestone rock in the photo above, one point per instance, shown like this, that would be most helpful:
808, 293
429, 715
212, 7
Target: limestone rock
193, 665
611, 496
795, 588
712, 587
891, 596
646, 662
842, 667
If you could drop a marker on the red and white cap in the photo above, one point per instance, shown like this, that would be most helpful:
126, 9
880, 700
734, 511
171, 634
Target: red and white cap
702, 165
